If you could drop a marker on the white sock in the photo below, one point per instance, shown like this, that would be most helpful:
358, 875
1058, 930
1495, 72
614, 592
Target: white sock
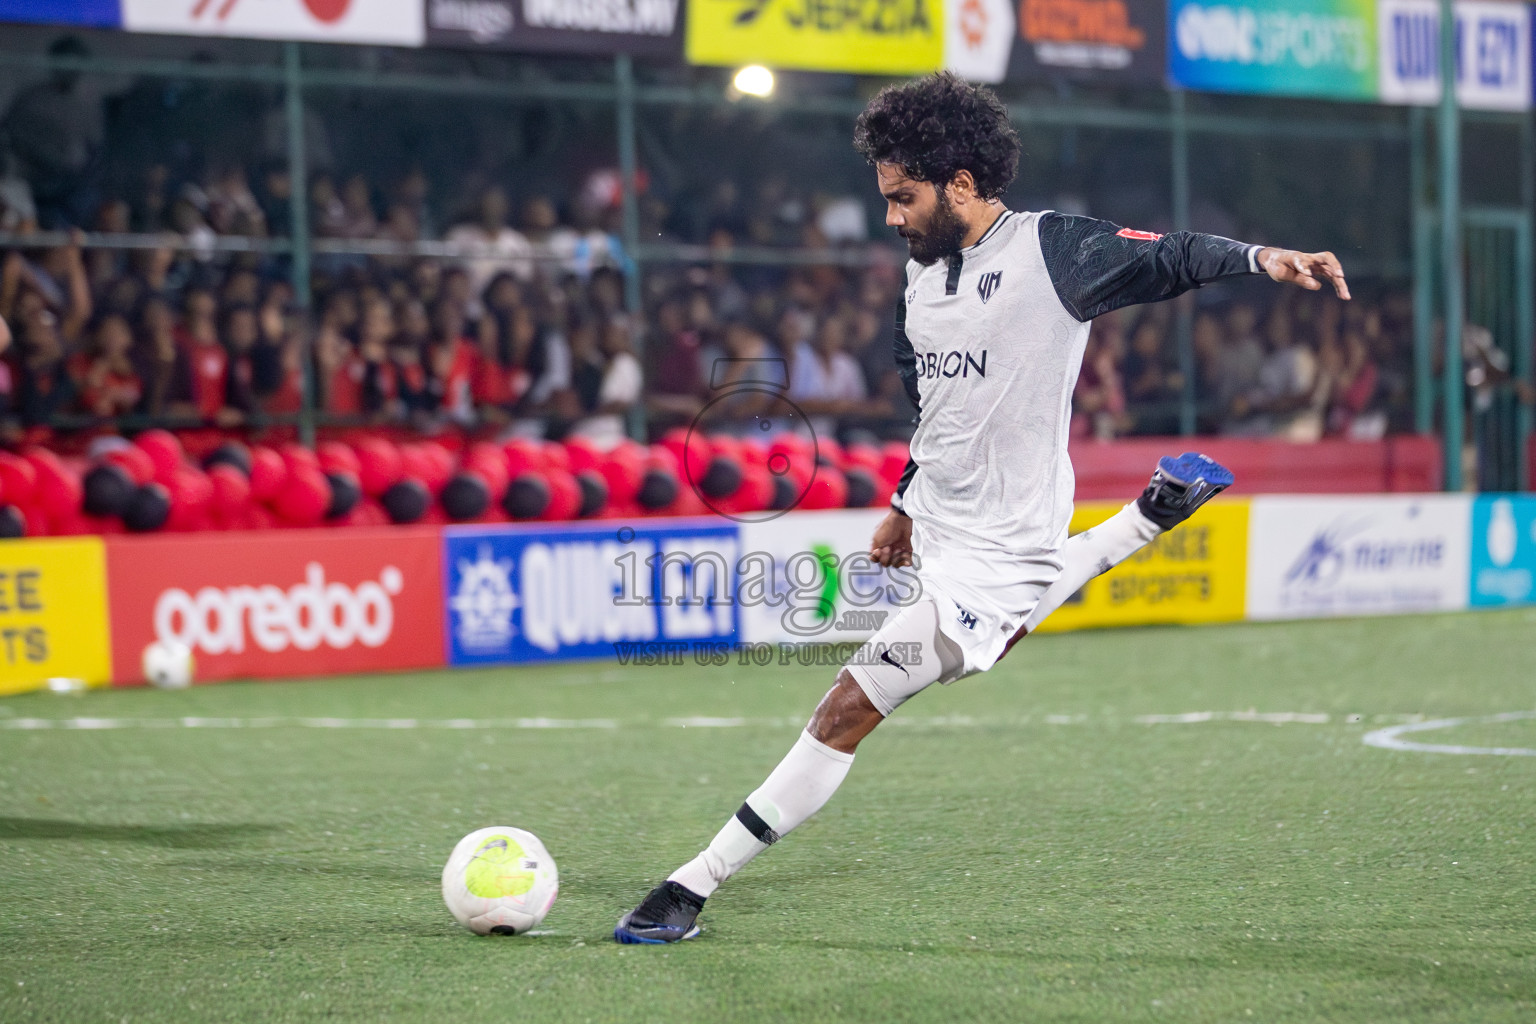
1093, 553
802, 783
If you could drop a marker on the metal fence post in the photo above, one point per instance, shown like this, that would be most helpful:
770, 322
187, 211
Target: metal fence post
1449, 131
298, 215
1184, 317
624, 115
1423, 273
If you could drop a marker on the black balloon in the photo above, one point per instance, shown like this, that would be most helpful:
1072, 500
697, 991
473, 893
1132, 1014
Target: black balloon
345, 494
108, 487
594, 493
658, 489
148, 508
861, 487
722, 478
406, 502
230, 453
12, 523
466, 496
785, 494
527, 497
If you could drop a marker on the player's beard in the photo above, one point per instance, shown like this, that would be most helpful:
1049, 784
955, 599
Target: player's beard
945, 233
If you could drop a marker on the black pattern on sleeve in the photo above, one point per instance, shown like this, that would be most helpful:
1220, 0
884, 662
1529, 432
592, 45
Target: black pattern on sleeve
906, 367
1096, 267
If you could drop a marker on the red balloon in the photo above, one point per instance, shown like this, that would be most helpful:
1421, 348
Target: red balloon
378, 465
231, 490
490, 463
296, 456
564, 495
191, 500
623, 471
134, 460
864, 455
583, 454
336, 457
18, 479
828, 490
661, 457
523, 456
37, 521
756, 491
104, 525
59, 491
442, 463
556, 457
304, 498
268, 473
164, 450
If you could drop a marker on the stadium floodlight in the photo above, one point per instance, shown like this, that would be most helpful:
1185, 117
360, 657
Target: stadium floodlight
754, 80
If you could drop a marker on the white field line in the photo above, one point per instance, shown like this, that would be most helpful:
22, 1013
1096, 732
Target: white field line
1390, 738
694, 722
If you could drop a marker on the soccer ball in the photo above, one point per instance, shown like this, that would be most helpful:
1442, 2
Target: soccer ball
168, 664
500, 881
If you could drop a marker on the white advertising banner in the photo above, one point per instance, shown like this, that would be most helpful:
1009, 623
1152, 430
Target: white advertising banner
1493, 63
807, 577
1310, 557
386, 22
978, 38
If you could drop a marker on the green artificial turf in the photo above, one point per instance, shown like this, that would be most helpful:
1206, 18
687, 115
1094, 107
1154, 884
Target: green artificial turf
1020, 846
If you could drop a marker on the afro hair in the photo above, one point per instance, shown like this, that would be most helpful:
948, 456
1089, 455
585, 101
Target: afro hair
938, 126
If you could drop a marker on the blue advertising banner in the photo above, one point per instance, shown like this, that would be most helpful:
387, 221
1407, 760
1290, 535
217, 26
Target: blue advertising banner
1503, 551
1279, 47
92, 13
549, 593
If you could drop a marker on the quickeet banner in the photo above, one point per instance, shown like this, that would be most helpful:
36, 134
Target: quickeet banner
89, 13
870, 36
53, 612
388, 22
1493, 60
279, 603
1196, 572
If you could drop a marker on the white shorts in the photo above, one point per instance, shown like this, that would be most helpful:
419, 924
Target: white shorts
971, 604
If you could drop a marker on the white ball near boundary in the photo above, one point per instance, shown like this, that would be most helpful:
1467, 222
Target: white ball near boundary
168, 665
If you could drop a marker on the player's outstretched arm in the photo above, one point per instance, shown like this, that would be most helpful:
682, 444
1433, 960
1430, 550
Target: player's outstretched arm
892, 543
1310, 270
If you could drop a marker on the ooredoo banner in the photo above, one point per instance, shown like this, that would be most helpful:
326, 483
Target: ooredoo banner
1196, 572
53, 612
387, 22
279, 603
604, 590
1311, 557
648, 28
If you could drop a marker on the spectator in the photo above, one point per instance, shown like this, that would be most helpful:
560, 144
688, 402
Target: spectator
609, 393
1287, 381
46, 388
198, 336
107, 381
1152, 389
825, 381
1098, 400
490, 245
56, 130
1235, 368
164, 366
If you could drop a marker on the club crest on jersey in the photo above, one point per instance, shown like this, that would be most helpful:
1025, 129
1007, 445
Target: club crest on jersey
988, 285
967, 619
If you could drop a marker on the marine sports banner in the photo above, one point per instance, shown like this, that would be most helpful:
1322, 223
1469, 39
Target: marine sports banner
1503, 557
387, 22
1194, 573
868, 36
1325, 48
86, 13
1493, 61
1313, 557
53, 612
645, 28
279, 602
600, 590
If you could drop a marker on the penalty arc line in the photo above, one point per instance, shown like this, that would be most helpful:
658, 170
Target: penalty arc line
1390, 738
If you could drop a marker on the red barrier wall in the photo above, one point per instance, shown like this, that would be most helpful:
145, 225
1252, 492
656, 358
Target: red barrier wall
1118, 470
280, 602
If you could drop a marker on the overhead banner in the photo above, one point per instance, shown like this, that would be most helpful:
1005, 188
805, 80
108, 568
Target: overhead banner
279, 603
644, 28
1194, 573
550, 593
1324, 48
1311, 557
895, 37
86, 13
1493, 60
1102, 40
1503, 551
978, 38
53, 612
386, 22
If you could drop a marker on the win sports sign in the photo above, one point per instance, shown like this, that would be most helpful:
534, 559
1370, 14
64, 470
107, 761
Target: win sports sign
867, 36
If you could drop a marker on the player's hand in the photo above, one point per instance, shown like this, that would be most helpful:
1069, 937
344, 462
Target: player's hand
1307, 269
892, 543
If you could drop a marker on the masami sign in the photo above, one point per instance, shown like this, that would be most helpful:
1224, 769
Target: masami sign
390, 22
295, 603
